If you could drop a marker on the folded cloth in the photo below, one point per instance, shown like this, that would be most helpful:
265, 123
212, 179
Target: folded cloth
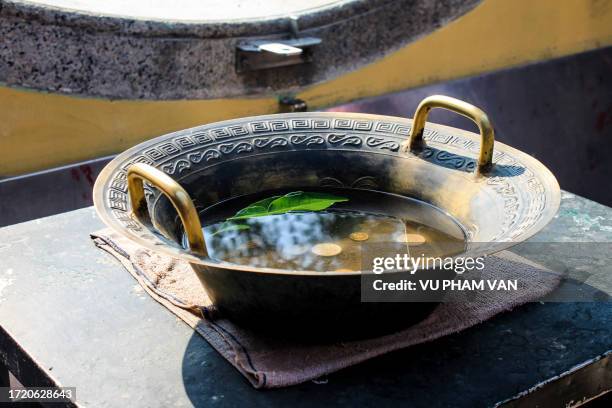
273, 362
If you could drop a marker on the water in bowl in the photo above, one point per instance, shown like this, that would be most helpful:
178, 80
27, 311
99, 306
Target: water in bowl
331, 239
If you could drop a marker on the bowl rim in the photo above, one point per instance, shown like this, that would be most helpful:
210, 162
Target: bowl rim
551, 188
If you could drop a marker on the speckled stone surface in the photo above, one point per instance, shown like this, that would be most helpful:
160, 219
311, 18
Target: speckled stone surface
50, 49
86, 323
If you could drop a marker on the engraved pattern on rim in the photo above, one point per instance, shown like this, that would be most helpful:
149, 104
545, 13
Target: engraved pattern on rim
203, 147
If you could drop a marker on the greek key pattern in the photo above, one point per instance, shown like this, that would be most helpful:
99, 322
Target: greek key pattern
200, 147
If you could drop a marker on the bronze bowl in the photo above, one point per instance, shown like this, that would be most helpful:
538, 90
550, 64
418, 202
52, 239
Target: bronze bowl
499, 195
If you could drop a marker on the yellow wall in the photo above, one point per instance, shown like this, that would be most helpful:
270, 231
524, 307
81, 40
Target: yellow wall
40, 130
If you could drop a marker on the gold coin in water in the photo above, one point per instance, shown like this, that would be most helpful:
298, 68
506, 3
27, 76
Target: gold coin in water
359, 236
326, 249
410, 239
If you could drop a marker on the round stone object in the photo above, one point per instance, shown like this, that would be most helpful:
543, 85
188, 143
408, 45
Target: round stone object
188, 49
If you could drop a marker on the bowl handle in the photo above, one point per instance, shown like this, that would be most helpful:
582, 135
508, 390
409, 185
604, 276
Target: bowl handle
176, 194
415, 142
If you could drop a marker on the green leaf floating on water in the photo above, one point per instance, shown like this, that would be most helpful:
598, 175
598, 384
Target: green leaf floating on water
295, 201
256, 209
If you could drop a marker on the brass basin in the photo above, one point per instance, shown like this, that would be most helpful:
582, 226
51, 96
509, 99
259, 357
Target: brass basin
499, 195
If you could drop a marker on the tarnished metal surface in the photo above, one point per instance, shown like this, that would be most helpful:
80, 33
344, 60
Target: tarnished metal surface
487, 135
498, 204
221, 160
182, 203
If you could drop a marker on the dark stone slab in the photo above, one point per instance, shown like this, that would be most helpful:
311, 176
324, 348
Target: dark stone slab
84, 322
52, 49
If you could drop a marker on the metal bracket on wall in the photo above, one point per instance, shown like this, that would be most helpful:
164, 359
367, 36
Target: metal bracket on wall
263, 54
254, 55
